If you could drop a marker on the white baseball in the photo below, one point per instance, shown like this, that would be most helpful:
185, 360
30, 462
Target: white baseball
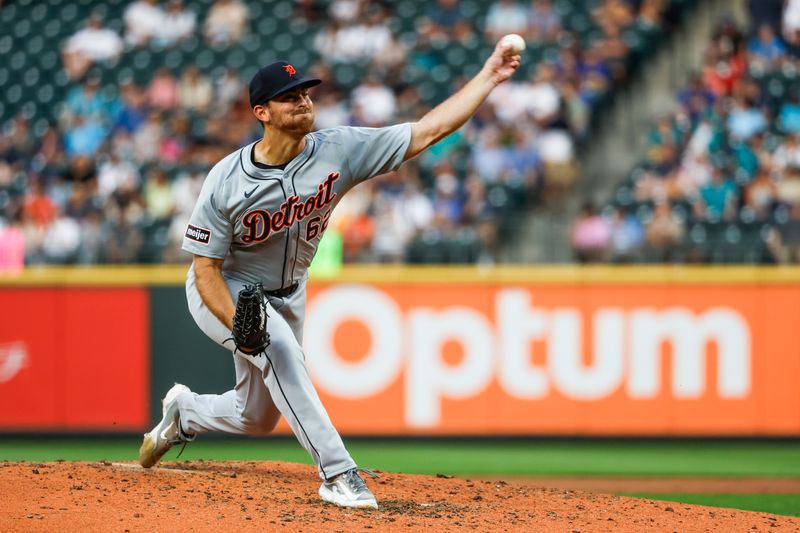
516, 41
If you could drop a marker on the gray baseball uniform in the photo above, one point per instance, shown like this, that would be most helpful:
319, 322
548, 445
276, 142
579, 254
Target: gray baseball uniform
266, 223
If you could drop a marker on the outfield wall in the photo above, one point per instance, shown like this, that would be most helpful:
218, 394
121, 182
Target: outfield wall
661, 351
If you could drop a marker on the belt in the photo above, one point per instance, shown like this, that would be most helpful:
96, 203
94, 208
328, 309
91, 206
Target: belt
283, 292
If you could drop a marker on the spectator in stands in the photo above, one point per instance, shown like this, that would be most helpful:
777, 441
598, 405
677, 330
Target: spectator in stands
787, 155
523, 161
92, 229
113, 174
650, 13
448, 21
447, 201
504, 17
591, 236
787, 169
158, 196
147, 139
627, 236
58, 189
791, 22
81, 202
81, 170
728, 39
144, 20
663, 144
784, 239
195, 91
617, 13
39, 210
12, 243
132, 110
85, 101
185, 191
353, 219
488, 157
162, 92
722, 69
376, 35
745, 118
177, 138
789, 114
122, 241
228, 89
329, 42
544, 106
226, 22
89, 45
769, 12
760, 195
374, 104
766, 49
663, 232
576, 110
695, 99
346, 11
331, 110
179, 24
401, 212
718, 197
613, 51
311, 11
557, 151
22, 141
544, 22
84, 137
594, 74
61, 240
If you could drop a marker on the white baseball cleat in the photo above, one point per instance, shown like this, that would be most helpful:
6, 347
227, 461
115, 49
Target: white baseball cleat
167, 433
348, 490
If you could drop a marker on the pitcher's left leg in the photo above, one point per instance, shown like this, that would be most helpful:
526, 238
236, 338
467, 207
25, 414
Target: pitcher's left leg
290, 386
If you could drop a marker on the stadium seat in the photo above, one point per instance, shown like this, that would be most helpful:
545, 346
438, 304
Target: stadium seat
22, 29
8, 15
45, 94
52, 29
68, 13
31, 77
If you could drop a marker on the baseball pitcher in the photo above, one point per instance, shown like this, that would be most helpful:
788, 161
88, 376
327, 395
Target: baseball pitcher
260, 216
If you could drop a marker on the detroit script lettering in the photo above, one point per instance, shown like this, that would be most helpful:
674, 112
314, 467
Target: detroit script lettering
260, 224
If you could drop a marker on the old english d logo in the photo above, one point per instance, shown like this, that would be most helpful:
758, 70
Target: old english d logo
289, 70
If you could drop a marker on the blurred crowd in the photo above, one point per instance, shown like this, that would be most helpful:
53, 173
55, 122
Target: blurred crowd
727, 158
114, 178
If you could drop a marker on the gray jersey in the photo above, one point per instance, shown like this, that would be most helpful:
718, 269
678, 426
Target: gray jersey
266, 223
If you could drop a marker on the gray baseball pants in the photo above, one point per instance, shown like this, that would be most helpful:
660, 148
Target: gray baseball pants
266, 386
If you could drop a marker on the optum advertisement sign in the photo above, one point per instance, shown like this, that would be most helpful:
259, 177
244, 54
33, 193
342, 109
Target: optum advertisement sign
541, 359
516, 352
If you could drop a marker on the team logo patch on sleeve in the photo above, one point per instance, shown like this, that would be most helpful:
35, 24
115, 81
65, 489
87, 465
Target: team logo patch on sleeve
200, 235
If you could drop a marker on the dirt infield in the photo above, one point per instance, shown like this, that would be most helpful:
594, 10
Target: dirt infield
203, 496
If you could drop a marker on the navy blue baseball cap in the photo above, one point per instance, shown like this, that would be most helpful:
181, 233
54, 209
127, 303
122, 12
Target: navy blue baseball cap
274, 79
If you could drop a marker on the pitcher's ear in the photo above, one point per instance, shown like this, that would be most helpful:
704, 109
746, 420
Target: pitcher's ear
261, 112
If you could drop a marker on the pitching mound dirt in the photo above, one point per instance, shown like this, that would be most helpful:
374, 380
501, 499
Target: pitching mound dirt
202, 496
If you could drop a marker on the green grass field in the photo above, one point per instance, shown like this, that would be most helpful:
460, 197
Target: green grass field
500, 458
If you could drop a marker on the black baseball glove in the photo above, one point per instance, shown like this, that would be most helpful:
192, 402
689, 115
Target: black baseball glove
250, 321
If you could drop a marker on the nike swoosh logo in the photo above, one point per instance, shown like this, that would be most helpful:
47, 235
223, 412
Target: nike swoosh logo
249, 194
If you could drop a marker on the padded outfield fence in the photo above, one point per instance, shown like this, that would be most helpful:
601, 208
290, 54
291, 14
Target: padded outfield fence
601, 351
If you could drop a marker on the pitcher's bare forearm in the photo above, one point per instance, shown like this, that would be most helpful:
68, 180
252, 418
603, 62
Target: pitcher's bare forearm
454, 112
213, 289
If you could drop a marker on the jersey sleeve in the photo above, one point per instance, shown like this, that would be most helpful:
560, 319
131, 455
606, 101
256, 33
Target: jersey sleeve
374, 151
209, 232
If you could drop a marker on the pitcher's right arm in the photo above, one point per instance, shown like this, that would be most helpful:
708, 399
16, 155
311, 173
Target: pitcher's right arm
213, 289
